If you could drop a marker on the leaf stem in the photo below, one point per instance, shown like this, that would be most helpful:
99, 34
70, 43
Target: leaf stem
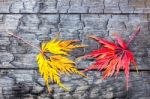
134, 34
20, 38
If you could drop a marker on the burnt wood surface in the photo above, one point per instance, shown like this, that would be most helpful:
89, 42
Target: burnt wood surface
40, 20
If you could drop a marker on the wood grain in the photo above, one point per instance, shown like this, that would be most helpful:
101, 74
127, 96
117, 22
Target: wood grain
36, 28
74, 6
16, 84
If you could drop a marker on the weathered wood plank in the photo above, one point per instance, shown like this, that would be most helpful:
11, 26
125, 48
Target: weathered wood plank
74, 6
36, 27
27, 84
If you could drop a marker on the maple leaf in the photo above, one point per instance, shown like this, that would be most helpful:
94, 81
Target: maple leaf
112, 56
52, 61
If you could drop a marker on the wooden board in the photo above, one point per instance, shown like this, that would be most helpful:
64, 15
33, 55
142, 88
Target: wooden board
36, 28
27, 84
74, 6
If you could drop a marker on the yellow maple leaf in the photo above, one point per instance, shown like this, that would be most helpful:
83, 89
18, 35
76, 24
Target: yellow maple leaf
52, 61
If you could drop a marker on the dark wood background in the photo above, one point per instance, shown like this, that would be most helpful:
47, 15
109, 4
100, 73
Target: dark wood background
40, 20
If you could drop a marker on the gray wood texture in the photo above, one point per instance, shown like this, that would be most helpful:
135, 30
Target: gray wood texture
75, 6
41, 20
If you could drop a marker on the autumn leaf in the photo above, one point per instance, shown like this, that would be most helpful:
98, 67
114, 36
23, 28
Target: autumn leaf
52, 60
112, 57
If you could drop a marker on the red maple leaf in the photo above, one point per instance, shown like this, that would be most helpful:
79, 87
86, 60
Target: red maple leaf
113, 56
